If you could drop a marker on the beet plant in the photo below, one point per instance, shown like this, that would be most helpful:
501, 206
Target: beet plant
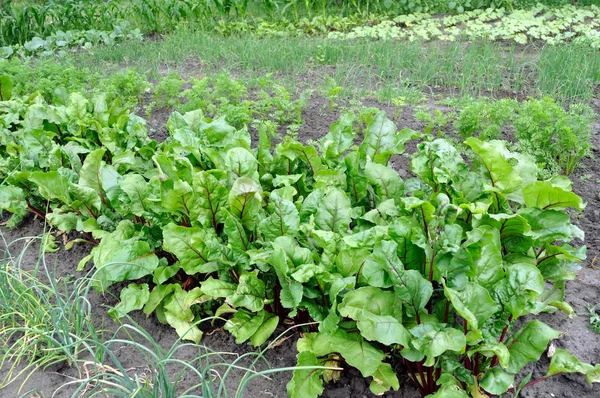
439, 275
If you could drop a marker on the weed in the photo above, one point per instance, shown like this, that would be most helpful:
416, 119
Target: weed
594, 318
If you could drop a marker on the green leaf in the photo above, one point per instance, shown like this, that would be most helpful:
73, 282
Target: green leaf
236, 235
133, 297
564, 362
350, 261
378, 314
218, 288
265, 330
484, 247
439, 340
496, 381
245, 200
245, 324
382, 262
179, 198
308, 154
52, 185
13, 200
490, 350
385, 180
357, 352
189, 245
450, 387
119, 260
284, 218
384, 380
381, 139
291, 290
163, 274
178, 312
528, 343
211, 196
500, 174
97, 175
548, 226
544, 195
241, 162
414, 290
306, 383
473, 303
250, 292
401, 232
340, 137
5, 88
335, 212
524, 284
157, 295
138, 192
436, 162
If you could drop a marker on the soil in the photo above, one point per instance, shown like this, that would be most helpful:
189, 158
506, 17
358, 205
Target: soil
578, 337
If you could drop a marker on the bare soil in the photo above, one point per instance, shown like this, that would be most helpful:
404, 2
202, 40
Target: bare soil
578, 337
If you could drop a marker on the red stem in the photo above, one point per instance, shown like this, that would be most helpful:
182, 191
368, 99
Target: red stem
36, 211
423, 379
501, 340
532, 382
413, 375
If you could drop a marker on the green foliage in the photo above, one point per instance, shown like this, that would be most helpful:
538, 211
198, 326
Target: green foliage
130, 86
555, 137
224, 96
486, 119
54, 81
53, 28
594, 318
558, 139
432, 271
166, 92
433, 120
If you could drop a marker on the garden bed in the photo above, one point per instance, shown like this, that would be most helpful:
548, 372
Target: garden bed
578, 337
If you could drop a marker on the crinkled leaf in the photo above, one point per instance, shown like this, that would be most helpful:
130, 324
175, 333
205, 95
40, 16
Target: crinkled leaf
501, 175
245, 200
473, 303
378, 314
306, 383
189, 245
133, 297
334, 213
284, 218
385, 180
123, 260
544, 195
528, 343
179, 315
211, 196
496, 381
384, 379
13, 200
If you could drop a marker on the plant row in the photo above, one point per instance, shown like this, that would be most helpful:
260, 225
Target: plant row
549, 25
61, 41
432, 274
20, 23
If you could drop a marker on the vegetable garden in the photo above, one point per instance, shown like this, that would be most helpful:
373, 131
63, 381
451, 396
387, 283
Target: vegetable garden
244, 230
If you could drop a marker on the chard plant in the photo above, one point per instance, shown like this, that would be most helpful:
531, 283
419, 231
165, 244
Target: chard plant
439, 275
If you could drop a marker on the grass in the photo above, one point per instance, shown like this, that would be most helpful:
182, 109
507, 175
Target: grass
569, 73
